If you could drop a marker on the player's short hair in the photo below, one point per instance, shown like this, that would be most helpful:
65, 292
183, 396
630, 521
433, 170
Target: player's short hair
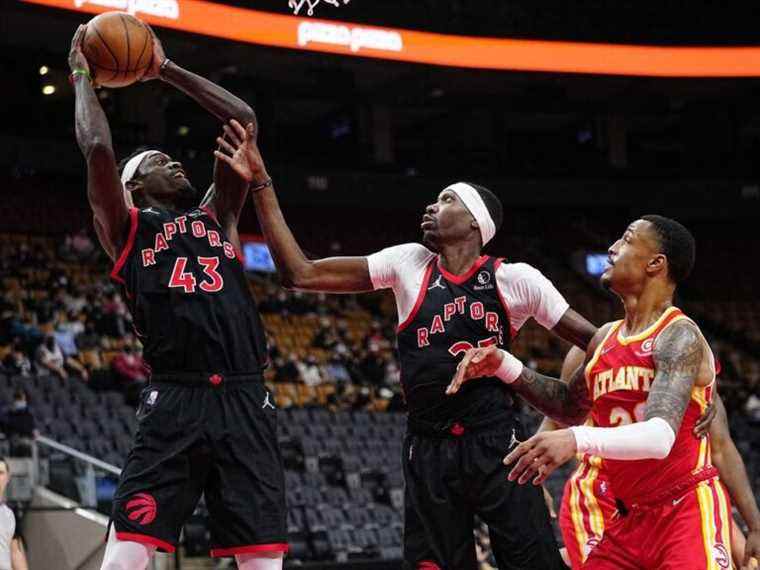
677, 244
492, 202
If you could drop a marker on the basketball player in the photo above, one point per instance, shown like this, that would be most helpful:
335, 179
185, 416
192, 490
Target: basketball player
588, 501
206, 424
651, 375
12, 556
449, 297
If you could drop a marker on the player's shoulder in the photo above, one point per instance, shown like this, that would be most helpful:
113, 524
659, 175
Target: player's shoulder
409, 252
519, 270
600, 335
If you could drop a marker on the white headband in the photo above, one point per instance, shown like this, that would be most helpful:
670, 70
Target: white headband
474, 203
130, 169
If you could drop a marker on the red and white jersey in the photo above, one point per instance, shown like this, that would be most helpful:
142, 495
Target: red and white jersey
620, 376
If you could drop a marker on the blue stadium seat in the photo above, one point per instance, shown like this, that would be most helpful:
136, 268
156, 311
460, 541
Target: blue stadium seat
361, 496
358, 516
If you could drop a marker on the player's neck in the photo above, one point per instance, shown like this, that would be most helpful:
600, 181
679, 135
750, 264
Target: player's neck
644, 308
458, 258
151, 202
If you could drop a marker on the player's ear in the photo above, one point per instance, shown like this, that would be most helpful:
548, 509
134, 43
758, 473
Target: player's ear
134, 185
659, 262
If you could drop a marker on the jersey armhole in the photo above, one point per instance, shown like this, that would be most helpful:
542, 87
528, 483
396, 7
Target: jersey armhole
420, 297
116, 271
598, 353
496, 264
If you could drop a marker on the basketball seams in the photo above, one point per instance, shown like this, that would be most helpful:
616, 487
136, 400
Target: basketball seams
142, 51
113, 55
126, 37
120, 60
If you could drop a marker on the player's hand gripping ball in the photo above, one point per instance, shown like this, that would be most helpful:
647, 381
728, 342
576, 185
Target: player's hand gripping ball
118, 48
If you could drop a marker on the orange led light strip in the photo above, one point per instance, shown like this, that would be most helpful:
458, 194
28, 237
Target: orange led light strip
264, 28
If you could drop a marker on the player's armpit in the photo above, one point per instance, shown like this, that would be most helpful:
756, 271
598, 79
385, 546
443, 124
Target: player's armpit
677, 355
575, 329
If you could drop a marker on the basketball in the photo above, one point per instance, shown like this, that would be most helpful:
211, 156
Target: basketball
118, 48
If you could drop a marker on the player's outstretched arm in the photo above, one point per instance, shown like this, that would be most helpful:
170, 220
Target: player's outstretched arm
574, 358
229, 191
334, 274
733, 473
104, 189
567, 402
215, 99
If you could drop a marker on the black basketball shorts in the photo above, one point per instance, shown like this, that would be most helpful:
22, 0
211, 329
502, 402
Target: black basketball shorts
217, 438
456, 473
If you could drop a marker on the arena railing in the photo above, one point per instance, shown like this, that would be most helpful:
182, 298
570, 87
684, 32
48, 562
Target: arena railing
75, 475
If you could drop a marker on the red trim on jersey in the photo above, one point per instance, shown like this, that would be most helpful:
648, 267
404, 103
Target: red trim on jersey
145, 539
496, 265
250, 549
133, 219
420, 298
459, 279
210, 214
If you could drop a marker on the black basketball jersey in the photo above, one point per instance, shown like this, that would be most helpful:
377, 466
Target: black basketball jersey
451, 315
189, 296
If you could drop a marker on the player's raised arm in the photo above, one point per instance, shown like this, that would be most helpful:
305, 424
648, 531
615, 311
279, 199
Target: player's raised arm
229, 190
733, 474
334, 274
104, 189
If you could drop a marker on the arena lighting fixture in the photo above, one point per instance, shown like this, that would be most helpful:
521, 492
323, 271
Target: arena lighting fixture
48, 89
183, 130
345, 38
44, 70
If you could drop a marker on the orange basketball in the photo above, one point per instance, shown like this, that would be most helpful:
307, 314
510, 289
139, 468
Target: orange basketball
118, 47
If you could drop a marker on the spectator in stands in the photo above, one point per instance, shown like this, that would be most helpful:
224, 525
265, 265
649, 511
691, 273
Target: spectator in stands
335, 371
287, 370
130, 369
88, 339
50, 358
372, 365
74, 300
12, 556
65, 334
309, 370
325, 337
19, 425
16, 361
114, 319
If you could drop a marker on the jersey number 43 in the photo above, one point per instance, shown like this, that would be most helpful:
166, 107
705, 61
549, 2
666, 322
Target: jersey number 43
187, 281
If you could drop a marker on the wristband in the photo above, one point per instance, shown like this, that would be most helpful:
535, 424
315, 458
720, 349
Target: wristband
509, 369
80, 71
260, 187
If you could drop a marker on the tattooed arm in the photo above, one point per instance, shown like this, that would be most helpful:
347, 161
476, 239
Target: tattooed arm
566, 402
677, 355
